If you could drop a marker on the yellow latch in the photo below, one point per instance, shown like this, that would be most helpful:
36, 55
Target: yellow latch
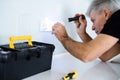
16, 38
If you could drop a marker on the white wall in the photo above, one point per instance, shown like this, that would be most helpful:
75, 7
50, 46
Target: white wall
118, 1
27, 17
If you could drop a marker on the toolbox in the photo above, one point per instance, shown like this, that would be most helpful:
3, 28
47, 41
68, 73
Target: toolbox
24, 59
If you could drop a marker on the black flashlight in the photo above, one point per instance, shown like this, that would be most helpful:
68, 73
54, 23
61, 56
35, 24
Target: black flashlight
75, 18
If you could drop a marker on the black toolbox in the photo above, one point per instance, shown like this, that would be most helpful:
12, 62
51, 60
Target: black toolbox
24, 60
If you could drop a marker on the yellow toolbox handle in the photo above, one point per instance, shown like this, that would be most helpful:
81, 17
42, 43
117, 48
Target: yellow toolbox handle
16, 38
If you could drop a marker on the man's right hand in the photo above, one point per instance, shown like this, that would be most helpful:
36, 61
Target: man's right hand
80, 24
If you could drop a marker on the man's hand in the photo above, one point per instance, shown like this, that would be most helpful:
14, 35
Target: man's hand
80, 24
59, 30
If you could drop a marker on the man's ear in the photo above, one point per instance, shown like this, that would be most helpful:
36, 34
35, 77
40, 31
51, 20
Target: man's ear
107, 13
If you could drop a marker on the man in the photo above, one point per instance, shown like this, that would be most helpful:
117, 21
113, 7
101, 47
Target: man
105, 15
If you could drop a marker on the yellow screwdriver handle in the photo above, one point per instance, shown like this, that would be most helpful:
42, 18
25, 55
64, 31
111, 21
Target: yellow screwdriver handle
71, 75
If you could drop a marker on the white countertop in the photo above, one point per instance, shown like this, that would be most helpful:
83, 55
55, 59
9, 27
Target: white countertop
62, 64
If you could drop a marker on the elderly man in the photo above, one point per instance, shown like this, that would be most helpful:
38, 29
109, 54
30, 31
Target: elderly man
105, 16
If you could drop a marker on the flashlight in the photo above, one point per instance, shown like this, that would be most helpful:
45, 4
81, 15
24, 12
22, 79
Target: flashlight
76, 18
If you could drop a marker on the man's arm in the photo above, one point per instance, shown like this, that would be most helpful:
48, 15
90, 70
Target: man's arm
81, 25
115, 50
90, 50
85, 37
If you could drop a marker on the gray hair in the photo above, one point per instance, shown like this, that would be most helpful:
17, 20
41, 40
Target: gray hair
98, 5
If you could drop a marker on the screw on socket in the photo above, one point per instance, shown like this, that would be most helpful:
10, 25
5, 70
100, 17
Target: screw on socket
75, 18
